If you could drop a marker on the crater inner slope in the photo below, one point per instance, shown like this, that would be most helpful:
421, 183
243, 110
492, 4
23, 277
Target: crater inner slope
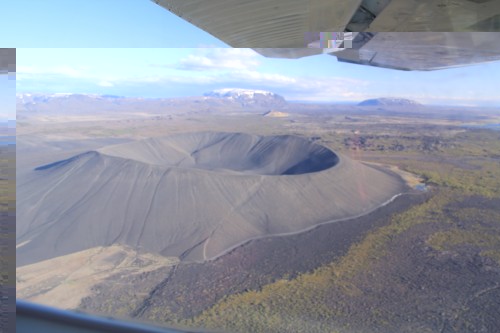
252, 154
192, 196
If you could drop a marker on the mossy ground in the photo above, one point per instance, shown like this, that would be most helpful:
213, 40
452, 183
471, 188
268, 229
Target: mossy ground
453, 235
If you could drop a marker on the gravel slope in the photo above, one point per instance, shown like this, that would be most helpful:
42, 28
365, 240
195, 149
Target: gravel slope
193, 196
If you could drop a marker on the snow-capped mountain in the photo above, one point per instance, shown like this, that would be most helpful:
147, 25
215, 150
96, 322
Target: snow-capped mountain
249, 97
236, 92
34, 98
67, 103
225, 100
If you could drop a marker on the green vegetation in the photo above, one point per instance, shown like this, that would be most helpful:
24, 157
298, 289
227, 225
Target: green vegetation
446, 240
482, 182
8, 211
494, 254
350, 293
7, 181
303, 304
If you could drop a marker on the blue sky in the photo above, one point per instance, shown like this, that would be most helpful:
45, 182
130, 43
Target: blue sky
169, 72
153, 66
96, 23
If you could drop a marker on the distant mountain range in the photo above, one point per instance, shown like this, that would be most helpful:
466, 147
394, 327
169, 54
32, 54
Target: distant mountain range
388, 102
217, 100
222, 100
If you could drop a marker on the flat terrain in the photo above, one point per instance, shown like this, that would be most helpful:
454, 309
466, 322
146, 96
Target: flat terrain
64, 281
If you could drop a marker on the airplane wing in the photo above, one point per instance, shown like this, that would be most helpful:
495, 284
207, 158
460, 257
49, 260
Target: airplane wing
264, 23
32, 317
421, 51
298, 23
297, 28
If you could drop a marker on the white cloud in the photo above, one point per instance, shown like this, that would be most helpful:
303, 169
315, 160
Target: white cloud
230, 58
222, 67
166, 79
105, 83
328, 89
206, 67
255, 77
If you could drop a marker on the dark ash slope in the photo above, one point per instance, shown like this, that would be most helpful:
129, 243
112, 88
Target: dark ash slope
193, 195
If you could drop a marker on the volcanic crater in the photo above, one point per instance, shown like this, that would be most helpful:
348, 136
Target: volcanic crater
243, 153
193, 196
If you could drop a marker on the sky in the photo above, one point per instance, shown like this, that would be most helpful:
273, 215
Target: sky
137, 48
177, 72
96, 23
